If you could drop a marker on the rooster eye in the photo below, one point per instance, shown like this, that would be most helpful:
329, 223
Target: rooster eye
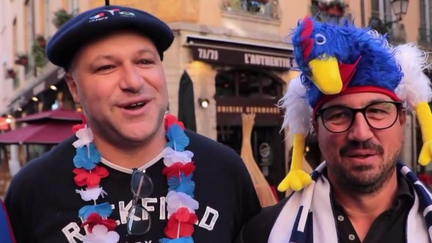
320, 39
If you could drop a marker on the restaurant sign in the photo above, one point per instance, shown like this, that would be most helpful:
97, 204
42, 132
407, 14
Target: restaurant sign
236, 54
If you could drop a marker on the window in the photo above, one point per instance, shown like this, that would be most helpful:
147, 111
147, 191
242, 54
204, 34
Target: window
263, 8
28, 33
41, 18
382, 9
46, 16
73, 7
15, 80
247, 84
425, 21
14, 36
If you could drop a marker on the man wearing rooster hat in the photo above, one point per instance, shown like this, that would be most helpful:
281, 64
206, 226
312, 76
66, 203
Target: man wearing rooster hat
354, 92
132, 172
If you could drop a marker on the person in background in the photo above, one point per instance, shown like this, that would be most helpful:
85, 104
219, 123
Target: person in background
131, 173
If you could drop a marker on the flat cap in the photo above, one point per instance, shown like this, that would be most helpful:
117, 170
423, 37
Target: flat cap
99, 22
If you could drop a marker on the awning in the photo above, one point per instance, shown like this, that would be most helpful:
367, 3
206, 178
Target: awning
52, 115
50, 75
240, 54
48, 133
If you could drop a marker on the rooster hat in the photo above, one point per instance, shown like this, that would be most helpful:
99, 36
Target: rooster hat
338, 58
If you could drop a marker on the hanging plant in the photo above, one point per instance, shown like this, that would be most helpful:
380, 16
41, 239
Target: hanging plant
38, 53
41, 41
22, 59
11, 73
61, 17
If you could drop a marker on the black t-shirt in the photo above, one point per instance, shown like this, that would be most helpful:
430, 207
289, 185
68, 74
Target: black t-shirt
43, 204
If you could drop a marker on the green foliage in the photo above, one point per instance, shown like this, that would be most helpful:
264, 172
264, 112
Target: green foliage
61, 17
38, 53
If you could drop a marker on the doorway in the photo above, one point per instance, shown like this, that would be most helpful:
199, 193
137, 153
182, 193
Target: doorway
267, 149
243, 90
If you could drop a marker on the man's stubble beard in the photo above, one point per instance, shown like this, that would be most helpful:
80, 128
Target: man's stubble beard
351, 181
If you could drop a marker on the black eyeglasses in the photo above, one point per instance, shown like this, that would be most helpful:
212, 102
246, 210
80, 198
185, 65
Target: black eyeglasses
379, 115
138, 219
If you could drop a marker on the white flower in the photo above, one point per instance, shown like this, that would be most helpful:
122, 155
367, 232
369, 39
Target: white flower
100, 234
85, 137
171, 156
177, 200
91, 194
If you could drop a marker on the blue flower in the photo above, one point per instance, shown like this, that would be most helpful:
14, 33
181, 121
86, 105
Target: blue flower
103, 209
178, 240
183, 184
177, 138
87, 157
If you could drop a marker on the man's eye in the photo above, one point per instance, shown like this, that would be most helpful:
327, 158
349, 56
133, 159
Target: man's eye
106, 67
146, 61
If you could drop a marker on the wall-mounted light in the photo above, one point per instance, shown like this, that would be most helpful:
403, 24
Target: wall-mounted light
204, 103
35, 98
53, 87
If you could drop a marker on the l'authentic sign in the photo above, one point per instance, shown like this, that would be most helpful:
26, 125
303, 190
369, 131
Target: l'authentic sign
242, 58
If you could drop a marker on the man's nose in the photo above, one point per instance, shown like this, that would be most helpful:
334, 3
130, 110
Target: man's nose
360, 129
131, 81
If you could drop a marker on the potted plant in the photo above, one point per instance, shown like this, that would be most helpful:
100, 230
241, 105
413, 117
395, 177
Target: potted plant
41, 41
22, 59
61, 17
38, 53
11, 73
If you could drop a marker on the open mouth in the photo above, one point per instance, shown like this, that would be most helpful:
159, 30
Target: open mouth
135, 106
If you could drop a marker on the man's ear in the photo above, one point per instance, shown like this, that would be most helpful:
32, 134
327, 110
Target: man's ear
403, 116
72, 86
315, 126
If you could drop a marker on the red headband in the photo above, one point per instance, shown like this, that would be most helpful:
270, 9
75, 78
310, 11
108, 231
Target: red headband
353, 90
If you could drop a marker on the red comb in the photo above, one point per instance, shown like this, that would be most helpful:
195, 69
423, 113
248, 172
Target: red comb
306, 42
307, 28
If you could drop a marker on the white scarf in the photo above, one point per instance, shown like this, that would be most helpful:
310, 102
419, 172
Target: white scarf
311, 207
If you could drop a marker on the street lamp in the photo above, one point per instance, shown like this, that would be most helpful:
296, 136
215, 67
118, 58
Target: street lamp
400, 8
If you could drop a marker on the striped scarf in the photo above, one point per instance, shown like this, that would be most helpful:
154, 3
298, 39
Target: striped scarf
310, 227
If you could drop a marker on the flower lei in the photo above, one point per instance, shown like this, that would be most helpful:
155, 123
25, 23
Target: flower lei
179, 169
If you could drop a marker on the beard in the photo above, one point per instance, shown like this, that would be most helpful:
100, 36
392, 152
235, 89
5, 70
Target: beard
363, 179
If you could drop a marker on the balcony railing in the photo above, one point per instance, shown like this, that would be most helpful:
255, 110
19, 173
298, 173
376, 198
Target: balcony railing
425, 37
263, 8
397, 34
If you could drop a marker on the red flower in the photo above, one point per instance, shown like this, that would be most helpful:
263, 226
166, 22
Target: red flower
177, 168
80, 126
90, 178
94, 219
170, 120
181, 222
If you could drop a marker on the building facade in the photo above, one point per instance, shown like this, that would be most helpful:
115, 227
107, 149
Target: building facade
234, 54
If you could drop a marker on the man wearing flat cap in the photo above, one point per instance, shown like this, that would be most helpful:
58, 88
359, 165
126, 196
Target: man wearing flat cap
132, 172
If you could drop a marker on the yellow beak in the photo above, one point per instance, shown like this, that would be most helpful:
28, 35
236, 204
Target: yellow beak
325, 75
